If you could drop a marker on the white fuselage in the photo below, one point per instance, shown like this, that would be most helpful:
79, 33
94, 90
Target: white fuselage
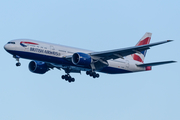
55, 54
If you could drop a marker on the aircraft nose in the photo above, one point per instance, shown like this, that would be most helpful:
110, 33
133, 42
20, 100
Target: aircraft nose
6, 47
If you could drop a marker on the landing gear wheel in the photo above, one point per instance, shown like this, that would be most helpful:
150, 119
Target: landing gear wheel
92, 74
63, 76
72, 79
97, 75
18, 64
87, 72
17, 59
68, 78
69, 81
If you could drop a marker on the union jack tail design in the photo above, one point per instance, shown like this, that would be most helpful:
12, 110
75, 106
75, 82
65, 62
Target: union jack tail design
143, 41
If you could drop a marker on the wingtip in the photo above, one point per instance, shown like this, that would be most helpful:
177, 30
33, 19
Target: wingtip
172, 61
170, 40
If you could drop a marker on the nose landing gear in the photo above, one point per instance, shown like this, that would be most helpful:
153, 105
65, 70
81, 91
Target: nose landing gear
17, 59
18, 64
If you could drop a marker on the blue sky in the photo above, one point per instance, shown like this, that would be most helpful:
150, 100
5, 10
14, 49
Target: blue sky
94, 25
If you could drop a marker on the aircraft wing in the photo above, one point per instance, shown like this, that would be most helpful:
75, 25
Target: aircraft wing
120, 53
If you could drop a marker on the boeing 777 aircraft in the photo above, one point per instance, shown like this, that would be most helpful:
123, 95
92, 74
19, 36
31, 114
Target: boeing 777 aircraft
46, 56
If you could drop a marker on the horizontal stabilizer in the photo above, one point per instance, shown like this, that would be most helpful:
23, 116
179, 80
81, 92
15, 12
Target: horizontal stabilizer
155, 63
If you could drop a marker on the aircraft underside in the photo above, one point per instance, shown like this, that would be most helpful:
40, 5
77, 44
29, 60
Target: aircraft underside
64, 64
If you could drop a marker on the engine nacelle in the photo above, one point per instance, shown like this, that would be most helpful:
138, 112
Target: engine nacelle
81, 59
38, 67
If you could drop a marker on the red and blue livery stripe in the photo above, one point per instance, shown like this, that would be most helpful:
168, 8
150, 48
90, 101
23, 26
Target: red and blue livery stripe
22, 43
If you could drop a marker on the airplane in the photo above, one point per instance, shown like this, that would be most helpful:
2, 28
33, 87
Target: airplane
46, 56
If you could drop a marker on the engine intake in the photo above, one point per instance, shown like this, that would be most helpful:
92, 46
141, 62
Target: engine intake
38, 67
81, 59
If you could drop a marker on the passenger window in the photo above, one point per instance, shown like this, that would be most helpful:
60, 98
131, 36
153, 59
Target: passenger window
70, 52
62, 51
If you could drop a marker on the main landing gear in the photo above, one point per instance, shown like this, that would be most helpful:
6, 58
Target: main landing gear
68, 78
17, 59
92, 74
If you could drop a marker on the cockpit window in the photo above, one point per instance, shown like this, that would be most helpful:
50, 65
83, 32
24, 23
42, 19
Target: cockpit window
11, 43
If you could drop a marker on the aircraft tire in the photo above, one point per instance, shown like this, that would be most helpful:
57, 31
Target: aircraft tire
87, 73
63, 76
97, 75
73, 80
18, 64
91, 74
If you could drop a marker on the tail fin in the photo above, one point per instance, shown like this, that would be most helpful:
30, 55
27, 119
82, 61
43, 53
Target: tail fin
143, 41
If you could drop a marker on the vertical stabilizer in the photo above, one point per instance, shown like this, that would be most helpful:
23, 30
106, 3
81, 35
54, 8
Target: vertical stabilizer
143, 41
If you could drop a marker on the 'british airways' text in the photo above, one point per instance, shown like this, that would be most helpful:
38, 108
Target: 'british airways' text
45, 51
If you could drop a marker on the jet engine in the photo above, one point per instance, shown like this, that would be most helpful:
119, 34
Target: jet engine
81, 59
38, 67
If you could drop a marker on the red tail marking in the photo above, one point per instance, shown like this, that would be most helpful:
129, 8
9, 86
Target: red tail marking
137, 58
148, 68
144, 42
